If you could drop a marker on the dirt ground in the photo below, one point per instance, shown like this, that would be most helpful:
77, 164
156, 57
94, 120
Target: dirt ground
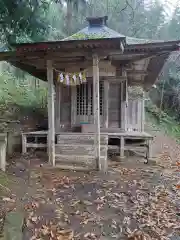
132, 201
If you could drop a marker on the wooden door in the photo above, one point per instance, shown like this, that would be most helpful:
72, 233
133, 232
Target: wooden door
82, 103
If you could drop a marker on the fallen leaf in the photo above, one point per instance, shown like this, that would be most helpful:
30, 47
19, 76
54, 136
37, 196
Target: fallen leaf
75, 203
34, 219
87, 203
87, 220
8, 200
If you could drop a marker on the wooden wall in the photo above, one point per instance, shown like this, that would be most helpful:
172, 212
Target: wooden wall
114, 105
63, 102
135, 115
134, 110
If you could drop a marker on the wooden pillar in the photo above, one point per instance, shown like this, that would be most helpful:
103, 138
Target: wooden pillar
142, 113
3, 145
123, 103
24, 143
96, 111
51, 123
123, 109
122, 106
73, 105
106, 104
59, 106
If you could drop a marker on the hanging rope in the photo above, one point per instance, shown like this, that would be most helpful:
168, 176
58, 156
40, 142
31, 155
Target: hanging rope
71, 79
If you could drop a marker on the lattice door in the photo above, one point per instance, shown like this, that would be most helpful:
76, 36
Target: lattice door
84, 102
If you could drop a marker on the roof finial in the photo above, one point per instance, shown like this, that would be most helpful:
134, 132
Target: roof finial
97, 21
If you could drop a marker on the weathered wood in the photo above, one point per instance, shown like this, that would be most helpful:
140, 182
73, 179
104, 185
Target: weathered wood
51, 121
121, 107
10, 143
106, 104
122, 147
114, 105
73, 105
134, 115
81, 160
75, 138
65, 120
142, 113
36, 145
149, 151
58, 107
24, 143
79, 149
96, 110
74, 167
3, 145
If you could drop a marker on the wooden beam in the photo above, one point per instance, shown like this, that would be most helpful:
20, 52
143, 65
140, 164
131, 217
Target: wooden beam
106, 104
51, 123
133, 72
101, 165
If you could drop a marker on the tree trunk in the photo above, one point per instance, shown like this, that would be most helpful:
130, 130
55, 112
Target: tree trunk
69, 18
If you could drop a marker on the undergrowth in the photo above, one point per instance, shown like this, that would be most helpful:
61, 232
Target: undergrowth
20, 97
162, 121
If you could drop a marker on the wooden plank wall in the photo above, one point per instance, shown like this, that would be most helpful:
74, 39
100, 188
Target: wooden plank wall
64, 104
135, 115
114, 105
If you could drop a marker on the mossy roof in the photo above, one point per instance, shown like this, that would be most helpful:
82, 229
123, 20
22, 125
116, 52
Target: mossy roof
98, 32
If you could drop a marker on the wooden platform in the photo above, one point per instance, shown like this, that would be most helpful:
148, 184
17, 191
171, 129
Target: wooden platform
80, 146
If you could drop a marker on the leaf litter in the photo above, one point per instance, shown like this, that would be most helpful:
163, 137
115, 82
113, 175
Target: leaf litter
133, 203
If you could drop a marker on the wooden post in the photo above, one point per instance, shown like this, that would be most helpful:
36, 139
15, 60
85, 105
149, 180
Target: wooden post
10, 142
106, 103
122, 147
3, 145
142, 113
123, 103
123, 109
51, 124
73, 105
24, 143
59, 107
96, 112
122, 106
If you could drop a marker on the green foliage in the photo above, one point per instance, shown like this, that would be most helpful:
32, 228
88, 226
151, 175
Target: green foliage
166, 123
22, 20
155, 111
20, 96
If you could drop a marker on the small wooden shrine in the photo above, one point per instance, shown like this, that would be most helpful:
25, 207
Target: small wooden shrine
88, 75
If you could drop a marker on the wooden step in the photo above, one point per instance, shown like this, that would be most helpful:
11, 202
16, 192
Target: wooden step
79, 149
81, 161
74, 167
75, 159
80, 139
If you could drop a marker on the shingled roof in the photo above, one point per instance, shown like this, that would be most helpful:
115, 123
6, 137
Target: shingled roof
97, 28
